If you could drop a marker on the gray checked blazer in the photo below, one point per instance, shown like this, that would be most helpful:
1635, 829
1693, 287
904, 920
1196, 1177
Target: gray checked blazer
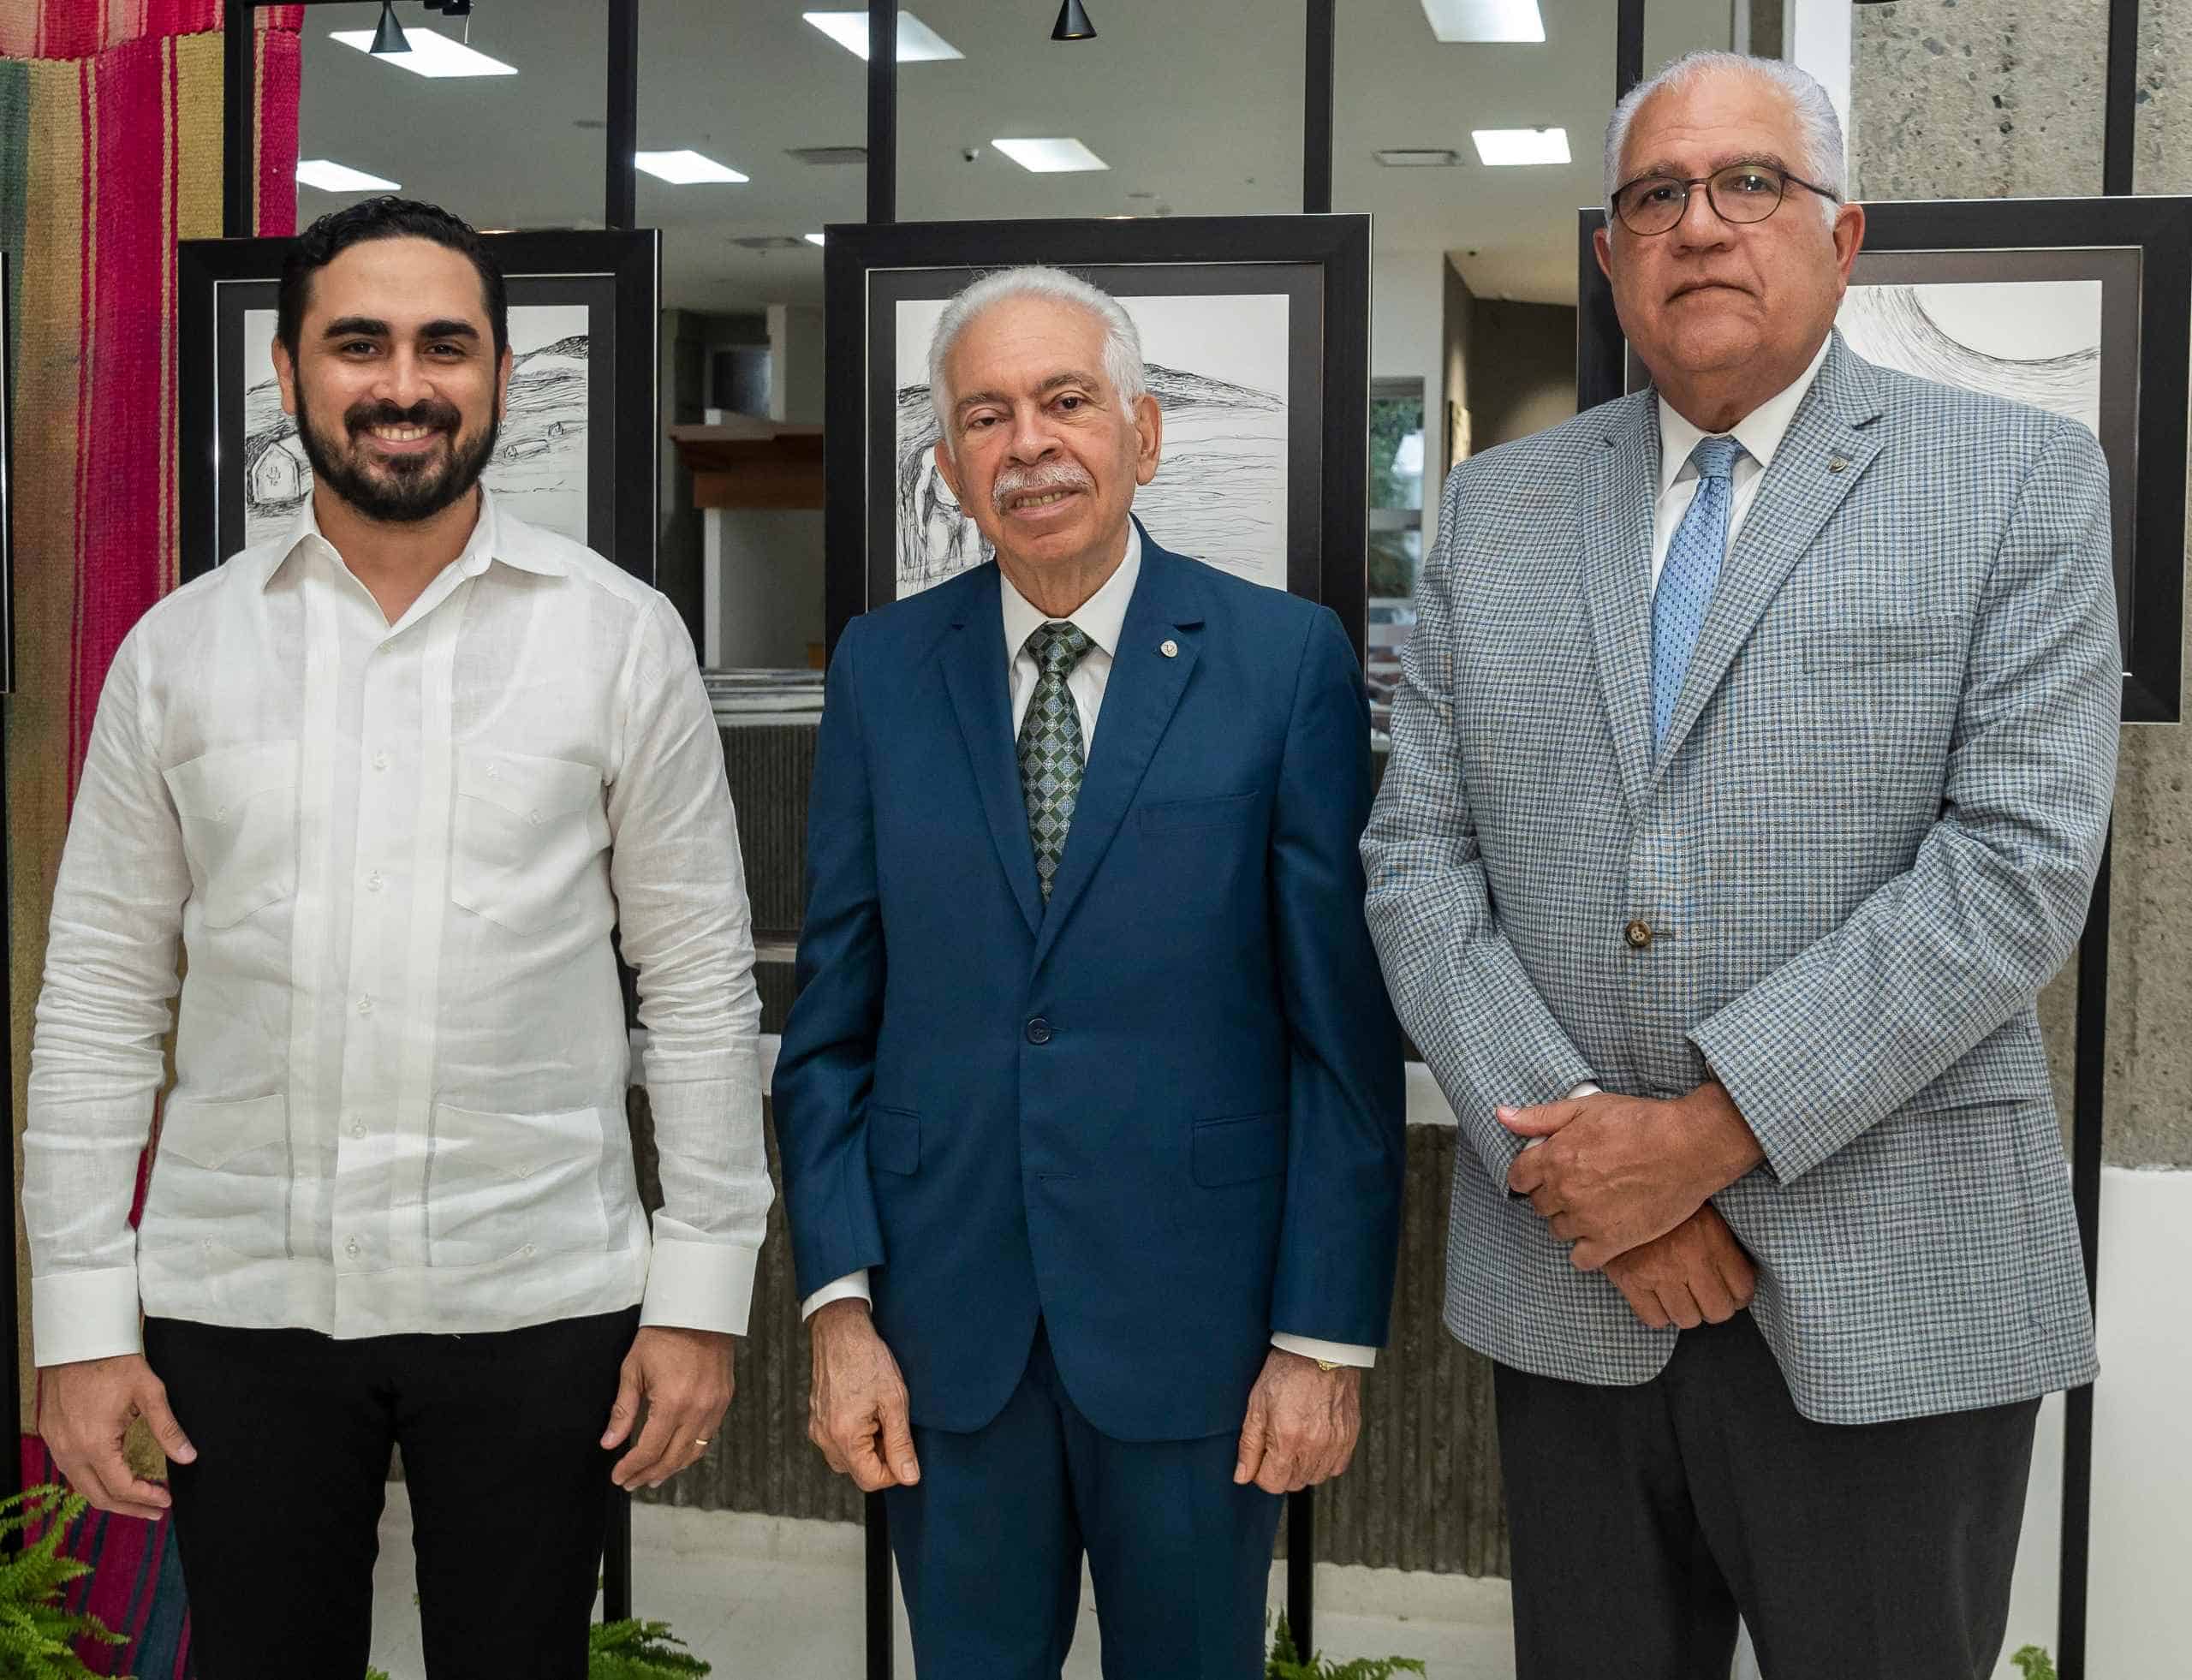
1868, 841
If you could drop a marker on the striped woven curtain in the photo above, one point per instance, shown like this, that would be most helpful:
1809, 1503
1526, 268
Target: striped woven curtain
110, 153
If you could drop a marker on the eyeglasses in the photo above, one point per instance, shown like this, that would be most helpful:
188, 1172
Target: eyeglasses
1741, 194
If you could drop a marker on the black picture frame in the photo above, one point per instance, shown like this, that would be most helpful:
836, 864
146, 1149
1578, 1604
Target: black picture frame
1321, 263
2140, 250
615, 275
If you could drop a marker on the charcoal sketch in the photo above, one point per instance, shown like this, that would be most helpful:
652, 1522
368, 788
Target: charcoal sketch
1216, 367
2034, 341
539, 469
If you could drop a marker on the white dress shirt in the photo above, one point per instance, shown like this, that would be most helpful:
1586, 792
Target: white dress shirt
393, 855
1760, 433
1102, 617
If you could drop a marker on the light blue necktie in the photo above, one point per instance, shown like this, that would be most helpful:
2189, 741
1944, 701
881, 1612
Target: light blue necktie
1686, 581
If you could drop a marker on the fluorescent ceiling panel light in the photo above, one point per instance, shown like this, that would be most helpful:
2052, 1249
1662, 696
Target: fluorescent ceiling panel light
1521, 145
330, 176
812, 238
918, 44
1050, 157
684, 169
1418, 157
432, 54
1485, 19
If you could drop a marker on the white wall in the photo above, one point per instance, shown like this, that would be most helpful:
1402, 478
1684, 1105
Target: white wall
1408, 341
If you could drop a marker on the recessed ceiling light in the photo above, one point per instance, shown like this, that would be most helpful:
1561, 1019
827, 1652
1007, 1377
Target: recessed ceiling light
430, 54
813, 239
684, 169
1521, 145
330, 176
917, 42
1418, 157
1050, 157
1485, 19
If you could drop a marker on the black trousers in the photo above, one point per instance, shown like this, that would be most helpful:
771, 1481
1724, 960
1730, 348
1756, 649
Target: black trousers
277, 1522
1644, 1519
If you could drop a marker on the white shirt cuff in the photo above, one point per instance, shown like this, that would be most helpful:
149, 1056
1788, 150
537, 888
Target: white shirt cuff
1338, 1353
699, 1286
78, 1315
853, 1286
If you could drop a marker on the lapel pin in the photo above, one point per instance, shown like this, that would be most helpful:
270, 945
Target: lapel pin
1838, 465
1169, 648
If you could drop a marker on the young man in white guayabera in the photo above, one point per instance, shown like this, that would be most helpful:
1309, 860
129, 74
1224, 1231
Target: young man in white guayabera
388, 782
1090, 1106
1750, 770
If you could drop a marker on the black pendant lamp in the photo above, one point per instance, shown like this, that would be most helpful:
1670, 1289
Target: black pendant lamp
1073, 24
389, 38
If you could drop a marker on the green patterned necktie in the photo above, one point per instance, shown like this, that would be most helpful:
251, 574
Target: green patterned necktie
1050, 753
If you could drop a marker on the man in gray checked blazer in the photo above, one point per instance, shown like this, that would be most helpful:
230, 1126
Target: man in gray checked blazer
1749, 778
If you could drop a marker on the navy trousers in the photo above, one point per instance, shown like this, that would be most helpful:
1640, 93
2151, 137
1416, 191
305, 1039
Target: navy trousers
990, 1542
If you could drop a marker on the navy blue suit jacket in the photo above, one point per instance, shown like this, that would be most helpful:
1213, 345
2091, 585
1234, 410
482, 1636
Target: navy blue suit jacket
1163, 1112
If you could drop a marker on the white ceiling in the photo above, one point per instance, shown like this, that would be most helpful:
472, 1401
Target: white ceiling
1196, 104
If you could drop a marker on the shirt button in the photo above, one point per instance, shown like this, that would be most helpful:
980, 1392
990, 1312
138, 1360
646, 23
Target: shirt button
527, 1251
357, 1128
494, 770
1038, 1031
351, 1247
533, 817
372, 882
380, 761
222, 814
1638, 935
365, 1006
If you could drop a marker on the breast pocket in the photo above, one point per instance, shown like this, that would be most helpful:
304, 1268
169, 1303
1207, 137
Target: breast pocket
238, 806
221, 1174
1886, 641
1168, 816
528, 831
499, 1185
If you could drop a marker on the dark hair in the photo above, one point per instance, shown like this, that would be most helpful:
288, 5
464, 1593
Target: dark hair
384, 218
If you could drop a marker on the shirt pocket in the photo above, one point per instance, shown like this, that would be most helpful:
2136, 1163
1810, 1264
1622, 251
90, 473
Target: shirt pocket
499, 1185
528, 831
239, 812
221, 1174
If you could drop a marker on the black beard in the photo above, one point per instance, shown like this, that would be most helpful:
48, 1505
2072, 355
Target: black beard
408, 488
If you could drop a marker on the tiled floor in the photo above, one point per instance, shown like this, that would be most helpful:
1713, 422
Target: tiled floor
771, 1598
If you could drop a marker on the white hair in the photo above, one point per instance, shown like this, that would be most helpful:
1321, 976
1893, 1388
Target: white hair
1821, 161
1122, 341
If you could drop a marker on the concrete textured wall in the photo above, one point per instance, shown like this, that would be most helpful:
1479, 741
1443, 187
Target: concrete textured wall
1975, 99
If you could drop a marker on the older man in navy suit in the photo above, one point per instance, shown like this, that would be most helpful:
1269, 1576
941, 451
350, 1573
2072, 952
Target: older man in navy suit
1091, 1105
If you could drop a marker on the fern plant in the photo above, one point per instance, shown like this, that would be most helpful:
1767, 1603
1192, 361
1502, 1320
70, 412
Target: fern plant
38, 1634
2034, 1664
1286, 1662
626, 1650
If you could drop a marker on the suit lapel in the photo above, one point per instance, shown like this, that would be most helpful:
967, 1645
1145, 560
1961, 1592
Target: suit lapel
1143, 690
1819, 461
976, 674
1620, 489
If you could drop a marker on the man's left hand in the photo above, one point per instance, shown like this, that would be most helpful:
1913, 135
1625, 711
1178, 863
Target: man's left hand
1616, 1172
1302, 1425
685, 1377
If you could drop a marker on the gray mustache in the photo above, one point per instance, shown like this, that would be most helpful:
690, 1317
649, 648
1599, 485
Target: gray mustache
1037, 480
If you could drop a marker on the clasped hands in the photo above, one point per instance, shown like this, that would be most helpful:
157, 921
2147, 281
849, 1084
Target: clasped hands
1300, 1429
1627, 1181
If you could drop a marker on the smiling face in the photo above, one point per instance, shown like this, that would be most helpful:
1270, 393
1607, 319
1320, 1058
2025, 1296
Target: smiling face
1745, 305
1038, 447
396, 384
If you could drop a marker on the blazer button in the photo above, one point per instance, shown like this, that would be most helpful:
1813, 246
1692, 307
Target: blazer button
1038, 1031
1638, 935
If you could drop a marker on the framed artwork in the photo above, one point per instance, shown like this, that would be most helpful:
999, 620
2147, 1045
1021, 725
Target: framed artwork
2082, 307
7, 497
1255, 335
576, 451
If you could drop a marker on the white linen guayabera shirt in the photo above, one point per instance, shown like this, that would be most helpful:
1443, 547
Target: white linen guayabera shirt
393, 855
